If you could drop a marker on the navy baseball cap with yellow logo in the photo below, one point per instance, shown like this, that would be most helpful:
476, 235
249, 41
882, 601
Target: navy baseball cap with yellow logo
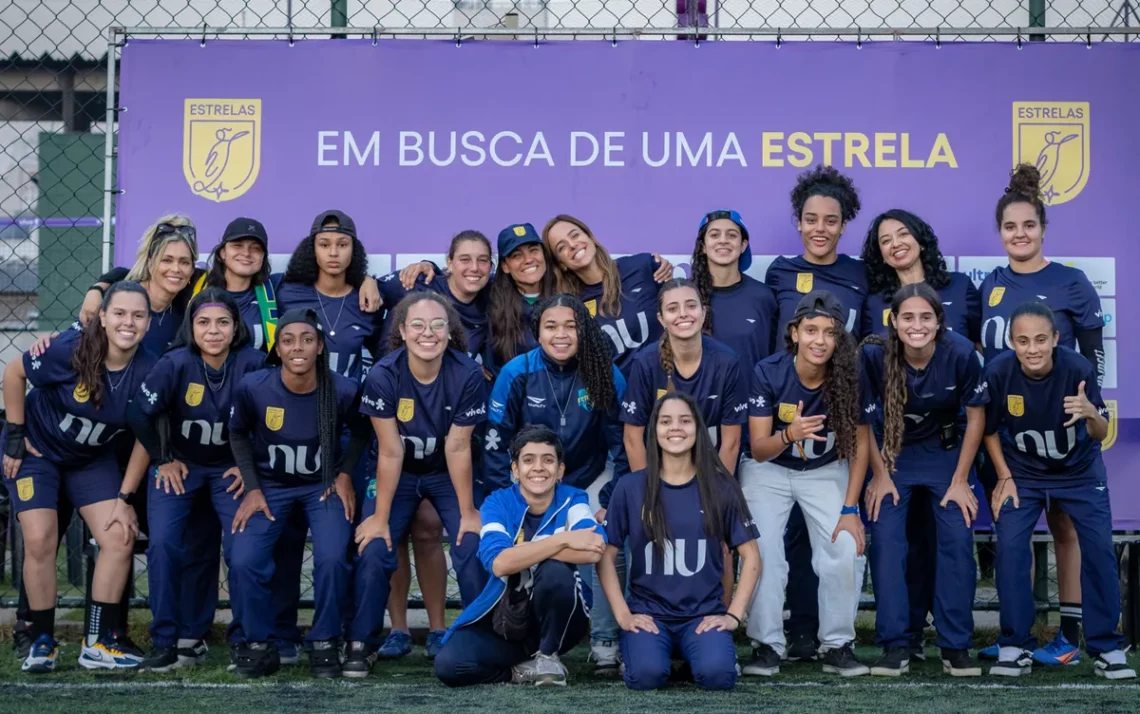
745, 260
514, 236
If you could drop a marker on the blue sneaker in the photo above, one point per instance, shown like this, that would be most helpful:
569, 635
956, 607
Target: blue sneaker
1058, 652
398, 644
990, 653
42, 656
434, 643
111, 651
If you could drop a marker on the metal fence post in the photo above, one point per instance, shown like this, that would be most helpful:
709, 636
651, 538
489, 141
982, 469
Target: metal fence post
1037, 18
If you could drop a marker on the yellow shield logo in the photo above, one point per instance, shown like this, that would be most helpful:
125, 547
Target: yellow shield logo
1113, 415
996, 295
405, 410
80, 393
194, 393
25, 488
886, 317
1016, 404
660, 393
1054, 137
221, 146
520, 231
787, 412
804, 281
274, 418
592, 306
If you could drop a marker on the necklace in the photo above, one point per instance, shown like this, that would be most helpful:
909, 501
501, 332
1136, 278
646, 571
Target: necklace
123, 372
569, 394
332, 327
210, 380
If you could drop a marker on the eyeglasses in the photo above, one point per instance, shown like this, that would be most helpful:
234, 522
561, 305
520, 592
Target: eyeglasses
418, 327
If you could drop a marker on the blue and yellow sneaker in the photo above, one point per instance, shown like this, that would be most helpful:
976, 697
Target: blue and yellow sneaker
990, 653
111, 651
42, 656
1057, 653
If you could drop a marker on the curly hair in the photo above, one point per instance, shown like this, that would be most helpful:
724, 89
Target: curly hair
1024, 187
840, 388
665, 346
826, 181
894, 369
720, 493
185, 336
885, 279
91, 351
303, 267
595, 363
399, 315
569, 282
506, 313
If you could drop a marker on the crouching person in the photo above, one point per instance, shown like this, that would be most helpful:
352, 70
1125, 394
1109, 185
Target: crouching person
536, 606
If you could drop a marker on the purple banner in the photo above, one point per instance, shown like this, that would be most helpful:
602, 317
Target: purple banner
418, 140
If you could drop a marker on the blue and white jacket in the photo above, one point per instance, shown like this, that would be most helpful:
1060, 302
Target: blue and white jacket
502, 515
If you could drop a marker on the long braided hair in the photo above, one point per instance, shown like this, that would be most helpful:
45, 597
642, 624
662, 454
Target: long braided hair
840, 388
91, 350
713, 480
894, 369
595, 364
665, 345
457, 337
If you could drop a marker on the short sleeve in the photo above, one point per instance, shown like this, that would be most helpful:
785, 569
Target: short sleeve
242, 417
870, 377
636, 405
391, 291
157, 389
973, 311
970, 379
379, 398
53, 366
736, 395
348, 397
1085, 303
472, 407
616, 522
739, 528
760, 394
990, 398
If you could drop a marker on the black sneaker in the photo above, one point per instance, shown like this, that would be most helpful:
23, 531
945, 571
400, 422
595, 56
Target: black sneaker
234, 649
161, 659
765, 662
324, 660
22, 639
802, 648
1012, 662
256, 659
917, 652
894, 662
841, 661
359, 660
1113, 665
128, 646
959, 663
193, 655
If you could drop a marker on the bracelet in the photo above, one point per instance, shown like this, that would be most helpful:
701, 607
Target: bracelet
850, 511
785, 437
734, 617
98, 287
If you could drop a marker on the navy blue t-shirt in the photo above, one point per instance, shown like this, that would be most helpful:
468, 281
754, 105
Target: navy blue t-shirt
961, 302
683, 582
472, 314
936, 394
1067, 291
424, 413
1029, 416
776, 391
62, 422
717, 385
347, 331
744, 318
792, 278
283, 426
251, 315
199, 408
638, 324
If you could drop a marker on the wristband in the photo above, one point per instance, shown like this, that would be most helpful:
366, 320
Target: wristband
124, 497
734, 617
785, 438
98, 287
850, 511
14, 441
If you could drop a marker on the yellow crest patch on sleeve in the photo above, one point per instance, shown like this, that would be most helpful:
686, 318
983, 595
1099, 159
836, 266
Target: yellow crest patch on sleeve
804, 282
1113, 415
274, 418
996, 295
787, 412
592, 306
886, 317
194, 392
1016, 404
80, 393
25, 488
660, 393
406, 409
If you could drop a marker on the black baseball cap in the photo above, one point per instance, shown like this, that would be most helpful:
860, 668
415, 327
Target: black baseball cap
514, 236
241, 228
819, 303
306, 315
345, 224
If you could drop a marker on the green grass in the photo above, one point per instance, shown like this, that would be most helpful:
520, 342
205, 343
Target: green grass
408, 685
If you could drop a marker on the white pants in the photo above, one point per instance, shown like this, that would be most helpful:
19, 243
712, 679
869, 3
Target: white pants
771, 491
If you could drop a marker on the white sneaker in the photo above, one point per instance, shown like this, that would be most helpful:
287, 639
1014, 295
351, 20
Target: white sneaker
1012, 662
549, 671
607, 658
1113, 665
525, 672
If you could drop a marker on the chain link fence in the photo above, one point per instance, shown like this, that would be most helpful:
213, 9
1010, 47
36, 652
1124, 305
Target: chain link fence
53, 121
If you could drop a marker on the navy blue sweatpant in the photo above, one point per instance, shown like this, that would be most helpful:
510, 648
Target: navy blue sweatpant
252, 562
924, 466
183, 555
1088, 506
374, 567
648, 657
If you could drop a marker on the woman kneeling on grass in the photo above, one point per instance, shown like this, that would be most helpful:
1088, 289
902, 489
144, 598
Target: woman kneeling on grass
676, 595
